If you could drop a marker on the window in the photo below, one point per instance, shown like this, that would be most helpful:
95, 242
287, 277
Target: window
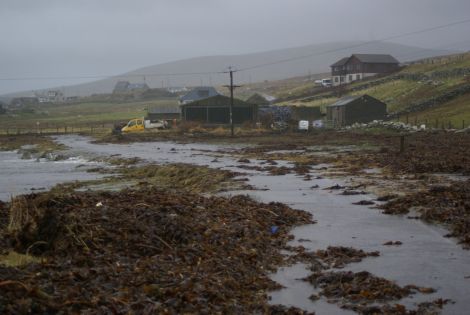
336, 79
358, 67
341, 79
350, 77
358, 76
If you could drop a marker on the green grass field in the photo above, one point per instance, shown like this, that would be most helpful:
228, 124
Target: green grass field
87, 113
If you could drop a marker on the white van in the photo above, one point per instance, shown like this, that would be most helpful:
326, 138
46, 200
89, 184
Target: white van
326, 82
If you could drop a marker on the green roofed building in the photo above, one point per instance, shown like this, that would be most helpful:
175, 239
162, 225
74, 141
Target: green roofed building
216, 110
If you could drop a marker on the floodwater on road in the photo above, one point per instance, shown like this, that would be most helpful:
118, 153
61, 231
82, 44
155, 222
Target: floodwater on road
21, 176
425, 258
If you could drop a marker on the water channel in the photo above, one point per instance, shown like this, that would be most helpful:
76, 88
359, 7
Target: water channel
426, 258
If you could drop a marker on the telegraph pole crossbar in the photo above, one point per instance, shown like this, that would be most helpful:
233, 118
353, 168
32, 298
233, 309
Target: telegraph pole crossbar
231, 87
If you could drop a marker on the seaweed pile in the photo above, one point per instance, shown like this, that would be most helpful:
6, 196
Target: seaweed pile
144, 251
369, 294
423, 153
362, 291
449, 205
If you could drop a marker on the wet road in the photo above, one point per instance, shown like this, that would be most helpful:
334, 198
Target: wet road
426, 258
18, 176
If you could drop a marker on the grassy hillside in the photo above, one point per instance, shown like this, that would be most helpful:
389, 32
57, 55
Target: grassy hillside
437, 88
84, 113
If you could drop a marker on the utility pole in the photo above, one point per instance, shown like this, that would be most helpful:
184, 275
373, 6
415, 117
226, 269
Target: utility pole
231, 87
231, 101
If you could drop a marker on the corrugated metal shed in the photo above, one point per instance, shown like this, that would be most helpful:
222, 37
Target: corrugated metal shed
355, 109
216, 110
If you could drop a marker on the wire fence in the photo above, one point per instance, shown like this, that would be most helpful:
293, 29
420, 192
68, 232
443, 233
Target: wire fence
435, 123
50, 129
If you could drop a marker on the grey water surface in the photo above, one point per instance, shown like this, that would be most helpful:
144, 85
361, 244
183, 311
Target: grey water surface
426, 257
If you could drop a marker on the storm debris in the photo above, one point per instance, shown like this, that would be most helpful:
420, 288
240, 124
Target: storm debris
243, 160
449, 205
339, 256
364, 203
144, 251
332, 257
334, 187
392, 243
357, 287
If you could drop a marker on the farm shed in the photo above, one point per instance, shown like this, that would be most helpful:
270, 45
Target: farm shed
355, 109
169, 112
216, 110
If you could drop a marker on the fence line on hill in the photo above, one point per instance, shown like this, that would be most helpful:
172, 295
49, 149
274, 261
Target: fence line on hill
435, 123
51, 129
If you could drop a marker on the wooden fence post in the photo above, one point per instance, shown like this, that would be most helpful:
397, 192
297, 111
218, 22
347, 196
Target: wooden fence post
402, 144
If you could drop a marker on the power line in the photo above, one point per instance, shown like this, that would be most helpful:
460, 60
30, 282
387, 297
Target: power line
110, 76
356, 45
242, 69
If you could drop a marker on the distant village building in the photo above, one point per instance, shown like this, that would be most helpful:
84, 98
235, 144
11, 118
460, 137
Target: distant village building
137, 86
55, 96
126, 86
25, 100
359, 66
121, 87
355, 109
177, 89
51, 96
216, 110
197, 94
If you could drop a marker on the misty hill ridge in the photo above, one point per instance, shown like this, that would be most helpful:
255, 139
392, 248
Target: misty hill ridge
318, 63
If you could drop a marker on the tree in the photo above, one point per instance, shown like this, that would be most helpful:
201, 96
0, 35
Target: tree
2, 109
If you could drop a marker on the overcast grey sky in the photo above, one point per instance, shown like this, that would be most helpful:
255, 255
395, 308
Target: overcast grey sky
46, 38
